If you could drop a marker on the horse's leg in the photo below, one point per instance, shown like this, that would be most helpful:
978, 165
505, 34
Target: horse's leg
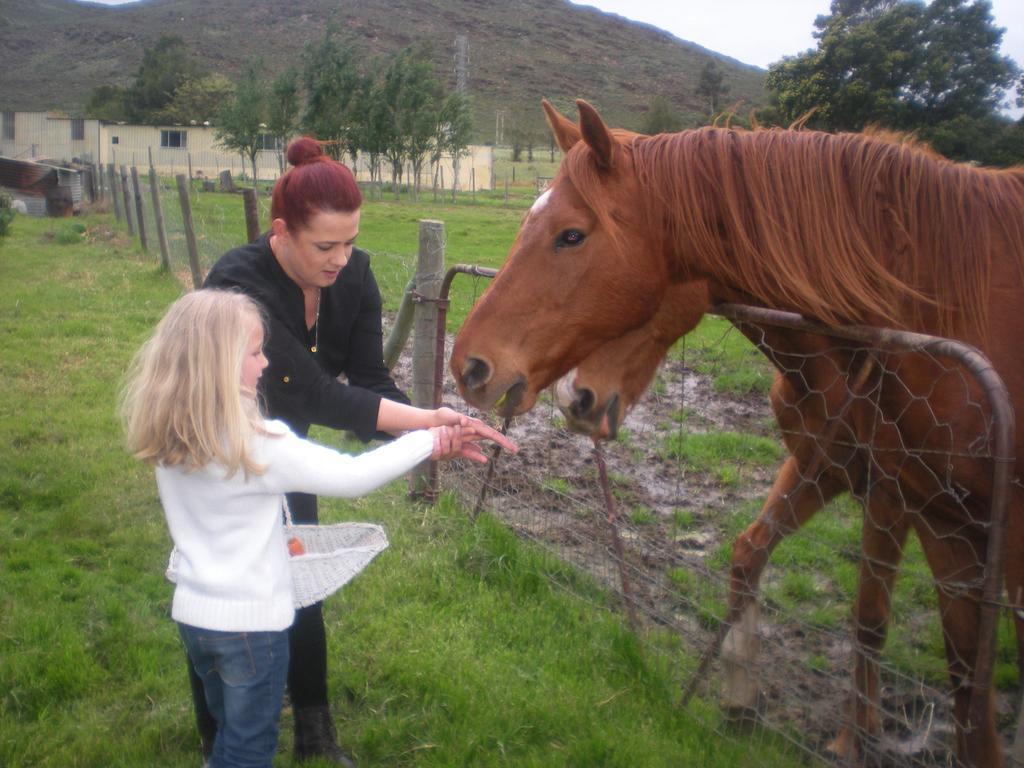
1014, 577
956, 555
883, 535
793, 499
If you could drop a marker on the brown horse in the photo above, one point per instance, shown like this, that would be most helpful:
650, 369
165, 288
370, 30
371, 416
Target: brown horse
843, 228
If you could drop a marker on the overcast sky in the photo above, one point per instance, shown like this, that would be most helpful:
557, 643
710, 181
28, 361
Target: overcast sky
759, 32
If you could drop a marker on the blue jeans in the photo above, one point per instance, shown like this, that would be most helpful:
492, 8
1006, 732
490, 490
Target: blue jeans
243, 676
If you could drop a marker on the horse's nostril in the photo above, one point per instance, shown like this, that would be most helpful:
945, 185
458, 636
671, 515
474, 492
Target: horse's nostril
583, 403
476, 373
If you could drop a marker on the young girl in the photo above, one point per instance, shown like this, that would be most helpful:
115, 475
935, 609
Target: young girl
189, 407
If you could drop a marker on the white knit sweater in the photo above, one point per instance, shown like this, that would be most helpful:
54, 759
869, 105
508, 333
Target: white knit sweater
233, 572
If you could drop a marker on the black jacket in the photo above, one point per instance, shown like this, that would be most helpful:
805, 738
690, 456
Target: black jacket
301, 387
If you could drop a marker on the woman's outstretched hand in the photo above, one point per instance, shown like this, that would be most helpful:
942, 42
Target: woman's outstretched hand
458, 436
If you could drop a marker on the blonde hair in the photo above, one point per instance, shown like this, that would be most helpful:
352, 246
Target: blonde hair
182, 403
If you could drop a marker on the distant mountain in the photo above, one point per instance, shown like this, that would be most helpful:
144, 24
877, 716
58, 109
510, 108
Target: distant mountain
55, 51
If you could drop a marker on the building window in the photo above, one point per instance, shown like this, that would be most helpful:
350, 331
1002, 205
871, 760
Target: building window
78, 129
8, 126
176, 139
114, 140
270, 142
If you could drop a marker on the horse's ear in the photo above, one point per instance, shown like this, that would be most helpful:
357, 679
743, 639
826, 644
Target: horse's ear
565, 130
596, 134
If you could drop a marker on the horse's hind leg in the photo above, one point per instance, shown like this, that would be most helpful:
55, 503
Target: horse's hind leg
956, 555
793, 499
883, 536
1014, 570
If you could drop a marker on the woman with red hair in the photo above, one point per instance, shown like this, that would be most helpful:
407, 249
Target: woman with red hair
323, 309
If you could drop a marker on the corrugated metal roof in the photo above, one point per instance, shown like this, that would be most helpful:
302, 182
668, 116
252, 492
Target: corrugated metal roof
29, 180
27, 176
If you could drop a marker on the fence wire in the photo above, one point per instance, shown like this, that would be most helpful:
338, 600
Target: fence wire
678, 516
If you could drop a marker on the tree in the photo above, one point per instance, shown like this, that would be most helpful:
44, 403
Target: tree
283, 110
898, 64
331, 81
419, 105
240, 123
660, 118
522, 132
197, 99
454, 132
410, 97
164, 68
107, 102
710, 87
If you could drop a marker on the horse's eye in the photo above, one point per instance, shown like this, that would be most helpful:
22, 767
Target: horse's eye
570, 238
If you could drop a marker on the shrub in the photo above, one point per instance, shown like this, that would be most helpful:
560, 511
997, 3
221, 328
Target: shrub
6, 214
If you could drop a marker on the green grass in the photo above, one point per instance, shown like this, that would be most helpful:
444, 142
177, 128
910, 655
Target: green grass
456, 647
728, 456
715, 348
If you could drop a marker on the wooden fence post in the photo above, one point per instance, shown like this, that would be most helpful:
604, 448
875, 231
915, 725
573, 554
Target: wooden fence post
429, 275
125, 196
1017, 751
114, 191
137, 192
252, 214
158, 215
190, 234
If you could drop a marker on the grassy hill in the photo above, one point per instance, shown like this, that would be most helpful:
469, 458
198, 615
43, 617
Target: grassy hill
55, 51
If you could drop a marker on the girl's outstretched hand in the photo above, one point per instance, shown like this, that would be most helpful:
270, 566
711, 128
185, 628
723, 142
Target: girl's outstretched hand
459, 435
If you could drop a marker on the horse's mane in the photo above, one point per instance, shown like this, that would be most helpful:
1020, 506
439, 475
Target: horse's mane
862, 228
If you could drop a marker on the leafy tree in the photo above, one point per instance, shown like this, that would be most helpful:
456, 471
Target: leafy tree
522, 132
240, 123
107, 102
373, 127
391, 95
411, 100
454, 132
283, 110
331, 81
165, 67
418, 106
660, 118
711, 86
895, 63
197, 99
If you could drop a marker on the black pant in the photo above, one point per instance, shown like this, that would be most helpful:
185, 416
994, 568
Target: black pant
307, 644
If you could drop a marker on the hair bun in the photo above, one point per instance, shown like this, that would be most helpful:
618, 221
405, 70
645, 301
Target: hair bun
304, 150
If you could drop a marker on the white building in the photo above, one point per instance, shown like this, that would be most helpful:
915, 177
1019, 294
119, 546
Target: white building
179, 149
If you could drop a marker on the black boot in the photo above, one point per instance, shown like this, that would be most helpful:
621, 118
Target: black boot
314, 737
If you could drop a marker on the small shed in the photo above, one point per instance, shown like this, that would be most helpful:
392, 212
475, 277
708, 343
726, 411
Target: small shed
46, 189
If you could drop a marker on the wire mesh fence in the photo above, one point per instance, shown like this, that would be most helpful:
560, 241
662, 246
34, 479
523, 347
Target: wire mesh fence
833, 656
